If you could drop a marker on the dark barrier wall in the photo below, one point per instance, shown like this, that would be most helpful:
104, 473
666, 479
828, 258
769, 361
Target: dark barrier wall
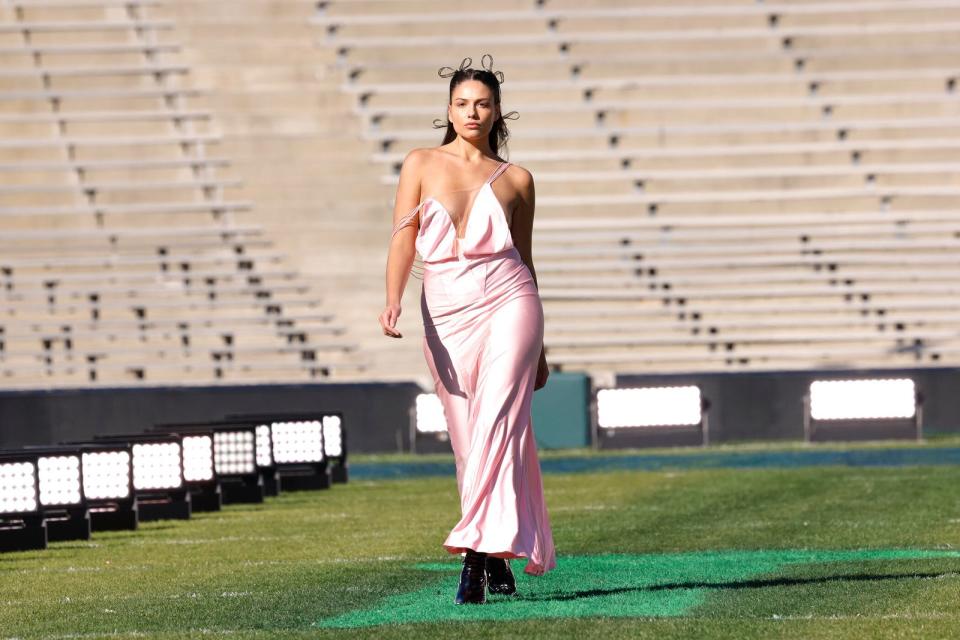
376, 415
769, 405
744, 406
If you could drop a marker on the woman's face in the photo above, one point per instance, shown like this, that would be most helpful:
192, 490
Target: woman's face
471, 110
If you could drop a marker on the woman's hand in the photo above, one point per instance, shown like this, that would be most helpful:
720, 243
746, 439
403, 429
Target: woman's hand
543, 371
388, 320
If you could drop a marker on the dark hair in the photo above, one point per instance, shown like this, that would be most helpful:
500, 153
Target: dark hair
499, 132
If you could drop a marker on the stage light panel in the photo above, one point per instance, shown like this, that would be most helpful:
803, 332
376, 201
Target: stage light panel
106, 475
234, 452
649, 407
264, 446
430, 418
863, 399
297, 441
18, 487
198, 458
332, 436
157, 465
59, 480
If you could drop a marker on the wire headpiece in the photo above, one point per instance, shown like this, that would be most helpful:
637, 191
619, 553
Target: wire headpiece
446, 72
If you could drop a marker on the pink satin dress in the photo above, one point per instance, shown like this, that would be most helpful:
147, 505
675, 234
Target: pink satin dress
483, 331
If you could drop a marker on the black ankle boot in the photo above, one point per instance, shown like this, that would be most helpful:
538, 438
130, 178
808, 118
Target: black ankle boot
500, 577
473, 579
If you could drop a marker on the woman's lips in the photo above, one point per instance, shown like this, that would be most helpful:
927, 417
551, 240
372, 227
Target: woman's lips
473, 126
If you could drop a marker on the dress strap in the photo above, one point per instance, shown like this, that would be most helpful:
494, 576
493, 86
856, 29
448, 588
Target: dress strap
503, 167
406, 220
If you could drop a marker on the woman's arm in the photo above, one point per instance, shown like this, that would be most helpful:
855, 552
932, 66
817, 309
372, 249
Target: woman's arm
402, 250
521, 228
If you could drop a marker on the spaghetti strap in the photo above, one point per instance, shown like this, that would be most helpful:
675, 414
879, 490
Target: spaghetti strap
408, 220
405, 221
500, 169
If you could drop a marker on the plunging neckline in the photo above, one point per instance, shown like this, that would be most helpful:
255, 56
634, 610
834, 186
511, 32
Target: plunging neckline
466, 227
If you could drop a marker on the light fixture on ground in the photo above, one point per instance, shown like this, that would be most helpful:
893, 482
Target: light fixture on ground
62, 500
265, 461
335, 446
158, 482
199, 474
107, 472
860, 409
298, 448
106, 480
234, 457
428, 425
22, 527
651, 416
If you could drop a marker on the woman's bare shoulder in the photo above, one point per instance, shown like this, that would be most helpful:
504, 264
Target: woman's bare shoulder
420, 161
417, 157
518, 170
520, 177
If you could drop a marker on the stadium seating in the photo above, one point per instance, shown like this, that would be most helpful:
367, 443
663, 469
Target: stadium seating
125, 257
722, 186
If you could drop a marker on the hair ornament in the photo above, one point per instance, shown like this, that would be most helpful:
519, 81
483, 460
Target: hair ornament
446, 72
488, 66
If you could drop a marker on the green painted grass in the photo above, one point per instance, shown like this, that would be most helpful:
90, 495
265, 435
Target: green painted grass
629, 586
726, 553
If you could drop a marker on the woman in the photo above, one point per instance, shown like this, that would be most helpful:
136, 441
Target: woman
483, 327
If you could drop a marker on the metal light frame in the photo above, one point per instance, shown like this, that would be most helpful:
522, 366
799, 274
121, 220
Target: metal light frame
313, 475
160, 503
23, 530
651, 435
436, 441
65, 520
861, 427
235, 487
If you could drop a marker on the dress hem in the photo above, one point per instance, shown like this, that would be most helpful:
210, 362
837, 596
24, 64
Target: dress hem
532, 568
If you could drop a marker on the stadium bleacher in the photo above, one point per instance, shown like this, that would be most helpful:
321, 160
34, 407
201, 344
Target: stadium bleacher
722, 186
125, 260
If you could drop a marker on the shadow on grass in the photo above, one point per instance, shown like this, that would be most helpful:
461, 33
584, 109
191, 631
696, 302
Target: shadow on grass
734, 585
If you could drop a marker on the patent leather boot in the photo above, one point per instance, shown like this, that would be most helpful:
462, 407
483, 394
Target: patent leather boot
473, 579
499, 577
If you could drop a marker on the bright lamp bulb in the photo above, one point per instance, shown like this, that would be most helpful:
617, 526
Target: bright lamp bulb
264, 446
332, 436
106, 475
59, 480
649, 407
430, 418
862, 399
235, 452
18, 491
297, 441
197, 458
156, 465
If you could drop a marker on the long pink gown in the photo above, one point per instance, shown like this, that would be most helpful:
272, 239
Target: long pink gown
483, 330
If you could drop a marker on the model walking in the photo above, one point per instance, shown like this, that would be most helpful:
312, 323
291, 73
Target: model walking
483, 327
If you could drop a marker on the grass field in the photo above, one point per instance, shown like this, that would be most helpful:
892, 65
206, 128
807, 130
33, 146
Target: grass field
678, 552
